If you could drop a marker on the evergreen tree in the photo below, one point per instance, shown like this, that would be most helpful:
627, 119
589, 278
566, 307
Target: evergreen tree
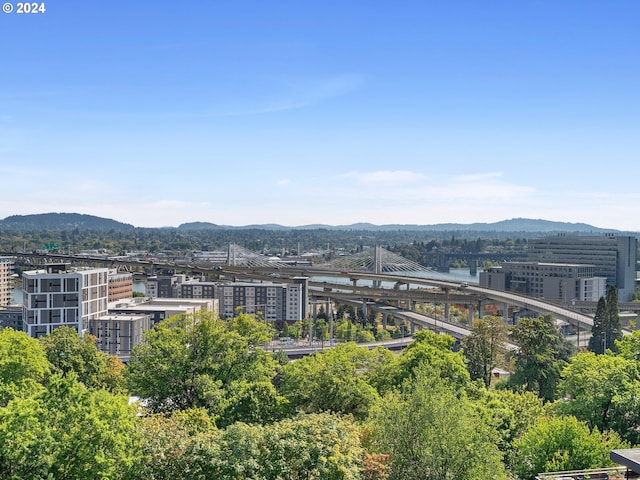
606, 324
596, 345
613, 319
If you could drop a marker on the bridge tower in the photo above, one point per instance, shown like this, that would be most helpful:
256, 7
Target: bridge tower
377, 265
231, 255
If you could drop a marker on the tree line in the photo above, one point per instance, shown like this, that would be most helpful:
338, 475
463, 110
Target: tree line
409, 243
215, 404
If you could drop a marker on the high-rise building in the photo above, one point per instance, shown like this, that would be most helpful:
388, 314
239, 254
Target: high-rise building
179, 286
120, 285
553, 281
6, 266
613, 257
276, 301
62, 296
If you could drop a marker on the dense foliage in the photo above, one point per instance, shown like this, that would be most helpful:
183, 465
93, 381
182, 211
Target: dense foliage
217, 405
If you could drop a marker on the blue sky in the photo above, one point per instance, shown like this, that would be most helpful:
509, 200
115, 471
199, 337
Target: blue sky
241, 112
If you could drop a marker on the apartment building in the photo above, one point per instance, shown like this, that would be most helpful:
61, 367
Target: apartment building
120, 285
117, 334
275, 301
613, 257
11, 317
6, 267
179, 286
60, 295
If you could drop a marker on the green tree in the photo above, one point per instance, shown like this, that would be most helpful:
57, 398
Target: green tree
69, 352
614, 329
251, 328
606, 330
483, 345
182, 445
431, 432
510, 414
599, 330
365, 336
558, 444
602, 390
23, 365
382, 335
336, 380
253, 402
67, 431
629, 346
198, 361
542, 353
317, 446
430, 350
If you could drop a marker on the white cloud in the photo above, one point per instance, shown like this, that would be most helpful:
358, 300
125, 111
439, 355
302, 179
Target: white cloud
406, 187
284, 181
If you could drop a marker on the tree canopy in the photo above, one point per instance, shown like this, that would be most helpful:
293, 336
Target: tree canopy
563, 443
482, 347
431, 432
542, 353
604, 392
430, 350
23, 365
195, 361
67, 431
69, 352
337, 380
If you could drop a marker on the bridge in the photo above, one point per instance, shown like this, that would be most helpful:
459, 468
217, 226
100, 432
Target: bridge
362, 277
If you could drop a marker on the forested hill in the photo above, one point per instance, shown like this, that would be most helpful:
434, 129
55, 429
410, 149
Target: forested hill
73, 221
512, 225
62, 221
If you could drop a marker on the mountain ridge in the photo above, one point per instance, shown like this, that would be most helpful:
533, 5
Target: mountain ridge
68, 221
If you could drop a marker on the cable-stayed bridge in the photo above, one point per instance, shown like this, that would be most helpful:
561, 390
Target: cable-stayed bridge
371, 275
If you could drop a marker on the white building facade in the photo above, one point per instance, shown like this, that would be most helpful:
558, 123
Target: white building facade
63, 296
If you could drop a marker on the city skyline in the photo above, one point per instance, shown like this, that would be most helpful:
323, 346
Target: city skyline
295, 114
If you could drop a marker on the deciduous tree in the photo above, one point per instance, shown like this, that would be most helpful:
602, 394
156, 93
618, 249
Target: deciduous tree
542, 353
69, 352
602, 390
23, 365
483, 346
430, 350
336, 380
199, 361
430, 432
510, 414
564, 443
67, 431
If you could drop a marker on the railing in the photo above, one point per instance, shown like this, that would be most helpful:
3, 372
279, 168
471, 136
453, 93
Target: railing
611, 473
